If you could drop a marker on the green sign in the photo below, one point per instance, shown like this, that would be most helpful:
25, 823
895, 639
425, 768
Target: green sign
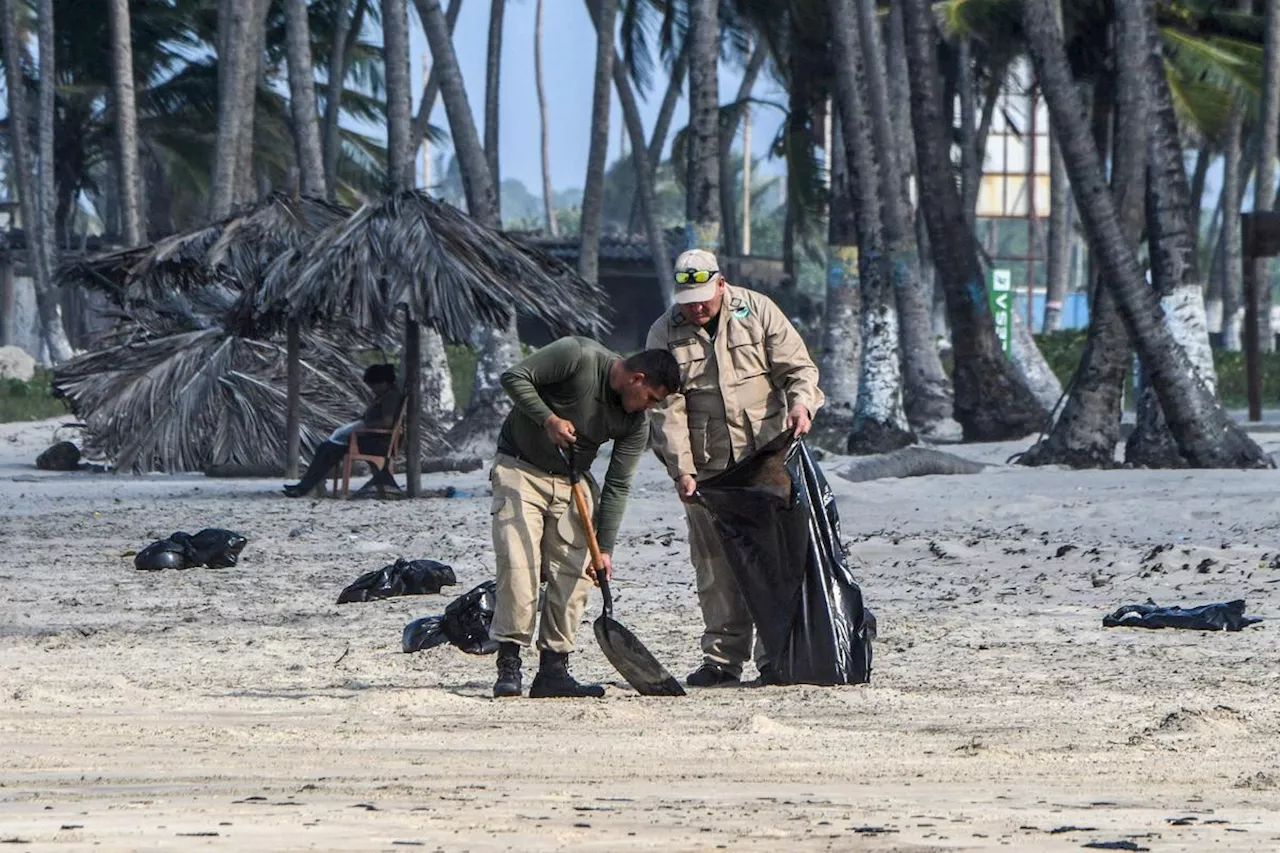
1000, 297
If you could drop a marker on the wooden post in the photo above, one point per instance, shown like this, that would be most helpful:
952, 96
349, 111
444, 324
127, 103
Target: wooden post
293, 419
412, 369
1252, 372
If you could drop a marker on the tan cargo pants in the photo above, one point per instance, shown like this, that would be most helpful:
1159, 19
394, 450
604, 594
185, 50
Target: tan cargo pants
727, 637
537, 537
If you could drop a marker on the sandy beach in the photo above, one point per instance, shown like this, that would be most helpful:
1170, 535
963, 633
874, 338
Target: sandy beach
242, 709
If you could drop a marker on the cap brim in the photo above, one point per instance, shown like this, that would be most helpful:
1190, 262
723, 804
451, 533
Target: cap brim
701, 293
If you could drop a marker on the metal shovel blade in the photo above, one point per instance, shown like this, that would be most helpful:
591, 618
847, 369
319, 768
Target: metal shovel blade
630, 658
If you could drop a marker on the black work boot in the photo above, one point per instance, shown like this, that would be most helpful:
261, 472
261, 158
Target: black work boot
553, 680
508, 683
712, 675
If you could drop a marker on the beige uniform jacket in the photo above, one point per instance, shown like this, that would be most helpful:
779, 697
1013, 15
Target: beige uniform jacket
737, 388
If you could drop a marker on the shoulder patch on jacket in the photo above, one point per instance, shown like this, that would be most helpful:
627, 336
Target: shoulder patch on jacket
740, 308
677, 317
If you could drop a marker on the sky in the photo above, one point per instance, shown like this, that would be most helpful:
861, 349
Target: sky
568, 56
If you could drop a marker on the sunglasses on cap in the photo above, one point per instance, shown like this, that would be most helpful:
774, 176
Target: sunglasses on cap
695, 276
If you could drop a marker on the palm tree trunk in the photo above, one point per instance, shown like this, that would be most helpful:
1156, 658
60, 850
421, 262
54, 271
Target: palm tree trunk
432, 89
605, 14
400, 178
28, 193
233, 20
900, 104
1264, 183
1199, 175
346, 30
1059, 238
662, 126
247, 190
645, 190
395, 29
492, 89
730, 119
841, 357
970, 154
477, 183
553, 228
46, 233
1206, 435
1086, 434
879, 422
1229, 245
927, 390
702, 210
130, 173
992, 402
302, 99
1174, 273
498, 348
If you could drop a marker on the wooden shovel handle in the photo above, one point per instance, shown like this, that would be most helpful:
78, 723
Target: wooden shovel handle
580, 501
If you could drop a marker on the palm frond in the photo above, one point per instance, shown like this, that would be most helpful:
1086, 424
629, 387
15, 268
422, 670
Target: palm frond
452, 273
186, 399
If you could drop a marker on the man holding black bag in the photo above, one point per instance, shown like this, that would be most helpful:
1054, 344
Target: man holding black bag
746, 378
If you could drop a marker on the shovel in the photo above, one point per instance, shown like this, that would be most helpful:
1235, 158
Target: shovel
627, 654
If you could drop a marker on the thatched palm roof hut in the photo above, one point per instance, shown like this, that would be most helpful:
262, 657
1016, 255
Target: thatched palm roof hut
450, 272
205, 310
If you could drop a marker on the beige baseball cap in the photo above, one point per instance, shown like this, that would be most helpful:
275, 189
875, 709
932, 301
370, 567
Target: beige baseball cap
693, 261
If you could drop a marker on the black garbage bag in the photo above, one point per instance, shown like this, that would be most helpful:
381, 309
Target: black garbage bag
164, 554
212, 547
778, 521
215, 548
1219, 616
465, 623
403, 577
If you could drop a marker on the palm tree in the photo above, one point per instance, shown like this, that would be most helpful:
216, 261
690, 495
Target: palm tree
605, 13
302, 99
1174, 271
45, 231
730, 118
1085, 435
991, 401
430, 91
1232, 196
703, 177
51, 332
1264, 182
879, 423
1205, 434
492, 75
498, 348
928, 396
552, 227
643, 170
346, 30
126, 123
841, 330
234, 28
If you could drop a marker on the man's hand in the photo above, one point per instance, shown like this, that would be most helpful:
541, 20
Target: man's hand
606, 563
686, 486
560, 431
798, 419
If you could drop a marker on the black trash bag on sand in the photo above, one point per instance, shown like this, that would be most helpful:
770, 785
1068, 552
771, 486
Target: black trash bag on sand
403, 577
778, 521
465, 623
212, 547
1220, 616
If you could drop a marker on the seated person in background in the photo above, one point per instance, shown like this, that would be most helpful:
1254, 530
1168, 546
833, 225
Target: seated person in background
381, 414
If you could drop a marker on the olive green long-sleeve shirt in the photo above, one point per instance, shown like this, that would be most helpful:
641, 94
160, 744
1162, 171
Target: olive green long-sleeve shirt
570, 378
